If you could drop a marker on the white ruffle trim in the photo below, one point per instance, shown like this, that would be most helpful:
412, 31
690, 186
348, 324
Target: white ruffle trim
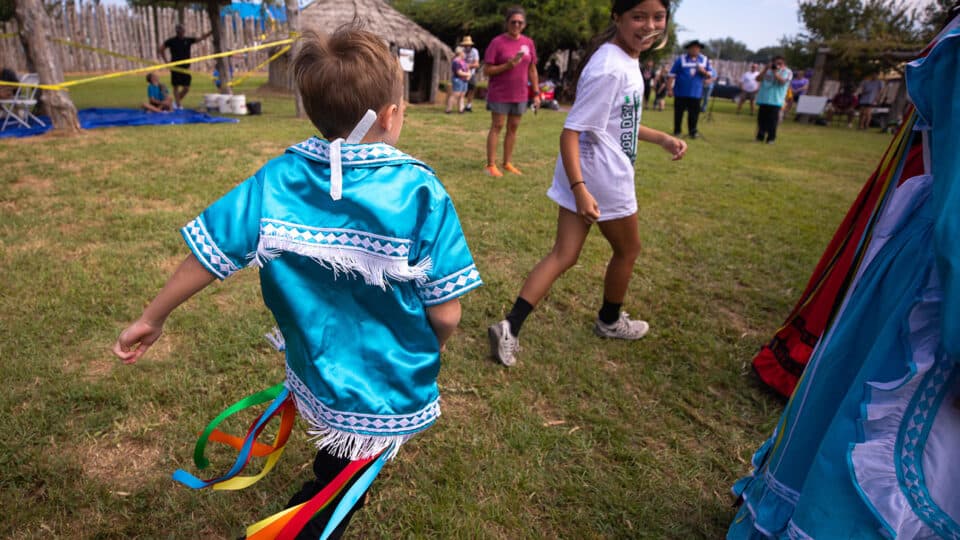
375, 269
887, 407
347, 445
356, 435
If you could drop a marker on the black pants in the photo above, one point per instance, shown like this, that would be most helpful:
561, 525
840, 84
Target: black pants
325, 467
692, 106
768, 117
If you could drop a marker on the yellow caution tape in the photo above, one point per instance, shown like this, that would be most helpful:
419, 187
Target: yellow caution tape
66, 85
126, 57
40, 86
239, 80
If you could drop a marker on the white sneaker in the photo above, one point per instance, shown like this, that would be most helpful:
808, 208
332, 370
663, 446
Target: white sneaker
503, 345
622, 328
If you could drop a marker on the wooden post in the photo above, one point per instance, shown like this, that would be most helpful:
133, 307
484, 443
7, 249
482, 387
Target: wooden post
213, 13
293, 23
819, 77
35, 28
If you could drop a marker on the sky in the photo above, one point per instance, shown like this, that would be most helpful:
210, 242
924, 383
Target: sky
758, 23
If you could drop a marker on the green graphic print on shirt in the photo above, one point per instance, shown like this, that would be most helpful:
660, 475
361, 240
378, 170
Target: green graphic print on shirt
629, 118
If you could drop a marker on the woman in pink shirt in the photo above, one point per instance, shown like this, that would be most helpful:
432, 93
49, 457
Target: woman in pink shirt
509, 62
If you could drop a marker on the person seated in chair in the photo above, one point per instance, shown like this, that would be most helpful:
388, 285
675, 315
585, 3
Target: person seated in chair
8, 75
158, 97
844, 102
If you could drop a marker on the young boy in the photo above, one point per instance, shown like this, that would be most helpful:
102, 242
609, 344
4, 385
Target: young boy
158, 98
362, 260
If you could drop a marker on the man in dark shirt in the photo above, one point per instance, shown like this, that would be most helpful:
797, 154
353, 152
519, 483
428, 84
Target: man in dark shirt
844, 102
179, 46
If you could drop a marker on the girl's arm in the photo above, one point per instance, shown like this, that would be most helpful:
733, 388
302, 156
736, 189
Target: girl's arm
188, 279
587, 207
444, 319
676, 147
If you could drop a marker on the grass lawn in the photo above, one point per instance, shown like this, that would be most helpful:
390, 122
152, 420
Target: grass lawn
583, 439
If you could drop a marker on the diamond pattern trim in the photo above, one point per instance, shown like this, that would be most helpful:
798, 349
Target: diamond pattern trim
368, 424
451, 286
339, 238
353, 154
913, 440
203, 246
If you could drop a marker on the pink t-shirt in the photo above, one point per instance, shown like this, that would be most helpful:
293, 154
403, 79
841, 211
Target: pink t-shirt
511, 85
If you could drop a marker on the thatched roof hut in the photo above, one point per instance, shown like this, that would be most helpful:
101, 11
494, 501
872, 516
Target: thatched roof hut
431, 56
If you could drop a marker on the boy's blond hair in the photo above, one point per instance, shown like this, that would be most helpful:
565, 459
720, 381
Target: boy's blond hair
343, 74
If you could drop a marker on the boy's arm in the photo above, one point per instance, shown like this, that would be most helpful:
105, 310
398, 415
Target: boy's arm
188, 279
444, 319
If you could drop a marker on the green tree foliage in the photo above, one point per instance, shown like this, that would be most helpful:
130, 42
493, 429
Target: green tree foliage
935, 15
728, 49
552, 24
865, 36
6, 8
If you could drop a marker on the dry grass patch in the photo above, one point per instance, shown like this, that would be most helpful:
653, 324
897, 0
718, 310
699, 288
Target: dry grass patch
737, 322
462, 404
120, 465
33, 184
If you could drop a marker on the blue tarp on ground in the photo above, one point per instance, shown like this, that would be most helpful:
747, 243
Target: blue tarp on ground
98, 118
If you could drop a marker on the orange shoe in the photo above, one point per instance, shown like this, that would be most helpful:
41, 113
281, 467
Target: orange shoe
493, 171
510, 168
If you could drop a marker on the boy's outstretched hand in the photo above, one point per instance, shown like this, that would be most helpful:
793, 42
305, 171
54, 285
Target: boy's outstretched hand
135, 340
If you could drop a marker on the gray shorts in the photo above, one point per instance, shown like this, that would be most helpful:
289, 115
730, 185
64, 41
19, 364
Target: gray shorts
515, 109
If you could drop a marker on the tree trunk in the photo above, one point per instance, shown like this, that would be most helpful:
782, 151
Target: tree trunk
293, 23
35, 27
213, 12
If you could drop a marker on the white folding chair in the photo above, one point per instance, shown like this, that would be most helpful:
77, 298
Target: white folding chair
20, 107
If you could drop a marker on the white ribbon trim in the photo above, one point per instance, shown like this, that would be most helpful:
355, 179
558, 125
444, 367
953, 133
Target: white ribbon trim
336, 161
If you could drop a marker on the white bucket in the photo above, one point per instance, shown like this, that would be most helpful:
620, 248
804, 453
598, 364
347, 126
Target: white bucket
211, 102
238, 104
224, 103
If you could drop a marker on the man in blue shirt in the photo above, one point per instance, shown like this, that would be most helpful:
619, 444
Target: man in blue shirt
687, 76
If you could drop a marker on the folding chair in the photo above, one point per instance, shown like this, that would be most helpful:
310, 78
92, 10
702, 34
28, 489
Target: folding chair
20, 107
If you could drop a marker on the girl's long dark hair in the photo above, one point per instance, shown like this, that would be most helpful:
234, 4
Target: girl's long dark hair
619, 8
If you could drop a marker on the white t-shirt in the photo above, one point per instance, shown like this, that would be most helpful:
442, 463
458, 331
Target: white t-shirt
606, 112
471, 55
749, 81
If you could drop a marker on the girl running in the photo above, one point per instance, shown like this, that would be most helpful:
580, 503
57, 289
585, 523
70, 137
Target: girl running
594, 178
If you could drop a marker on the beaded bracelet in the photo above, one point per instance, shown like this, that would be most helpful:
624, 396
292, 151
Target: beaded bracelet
575, 184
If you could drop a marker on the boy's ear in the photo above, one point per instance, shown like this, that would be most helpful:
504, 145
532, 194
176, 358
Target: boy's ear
385, 116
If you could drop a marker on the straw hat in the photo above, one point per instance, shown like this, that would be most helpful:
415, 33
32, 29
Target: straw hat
467, 41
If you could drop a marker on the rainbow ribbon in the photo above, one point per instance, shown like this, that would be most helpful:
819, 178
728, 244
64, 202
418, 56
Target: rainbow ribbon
282, 404
286, 524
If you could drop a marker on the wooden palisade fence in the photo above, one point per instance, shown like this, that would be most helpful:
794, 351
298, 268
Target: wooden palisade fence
138, 33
